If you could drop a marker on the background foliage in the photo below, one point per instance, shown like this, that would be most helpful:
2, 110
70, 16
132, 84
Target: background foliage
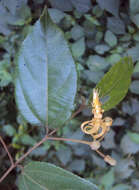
99, 33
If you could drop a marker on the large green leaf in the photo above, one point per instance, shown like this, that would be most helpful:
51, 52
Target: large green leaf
115, 83
46, 81
45, 176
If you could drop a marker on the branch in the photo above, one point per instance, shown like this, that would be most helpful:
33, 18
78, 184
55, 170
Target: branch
82, 106
106, 158
24, 156
6, 149
72, 140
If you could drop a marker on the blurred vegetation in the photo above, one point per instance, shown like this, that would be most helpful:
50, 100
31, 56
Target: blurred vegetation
99, 32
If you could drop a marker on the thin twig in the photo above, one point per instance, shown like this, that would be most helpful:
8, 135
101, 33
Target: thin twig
41, 142
100, 153
6, 149
82, 106
23, 157
47, 129
72, 140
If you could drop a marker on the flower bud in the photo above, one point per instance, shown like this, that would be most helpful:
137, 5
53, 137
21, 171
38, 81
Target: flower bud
110, 160
95, 145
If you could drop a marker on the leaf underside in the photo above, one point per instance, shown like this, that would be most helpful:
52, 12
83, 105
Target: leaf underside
46, 80
45, 176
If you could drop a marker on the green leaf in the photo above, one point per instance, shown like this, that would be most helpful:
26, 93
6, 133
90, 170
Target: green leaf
111, 6
92, 76
124, 168
92, 19
128, 146
134, 87
135, 19
114, 58
9, 130
62, 5
115, 83
5, 76
13, 5
77, 32
27, 140
136, 68
56, 15
134, 137
78, 48
116, 25
96, 63
102, 48
82, 6
12, 13
121, 187
46, 80
99, 36
42, 175
126, 38
110, 38
134, 6
134, 11
136, 36
40, 151
133, 52
97, 11
108, 179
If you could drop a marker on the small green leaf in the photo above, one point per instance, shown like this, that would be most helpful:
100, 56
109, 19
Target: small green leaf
77, 32
78, 48
56, 15
136, 36
45, 176
92, 76
122, 187
96, 63
115, 82
27, 140
134, 6
99, 36
13, 5
111, 6
134, 87
82, 6
110, 38
134, 137
9, 130
97, 11
114, 58
134, 52
116, 25
5, 76
13, 13
126, 38
131, 29
102, 48
124, 168
134, 10
136, 68
128, 146
108, 179
61, 5
92, 19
